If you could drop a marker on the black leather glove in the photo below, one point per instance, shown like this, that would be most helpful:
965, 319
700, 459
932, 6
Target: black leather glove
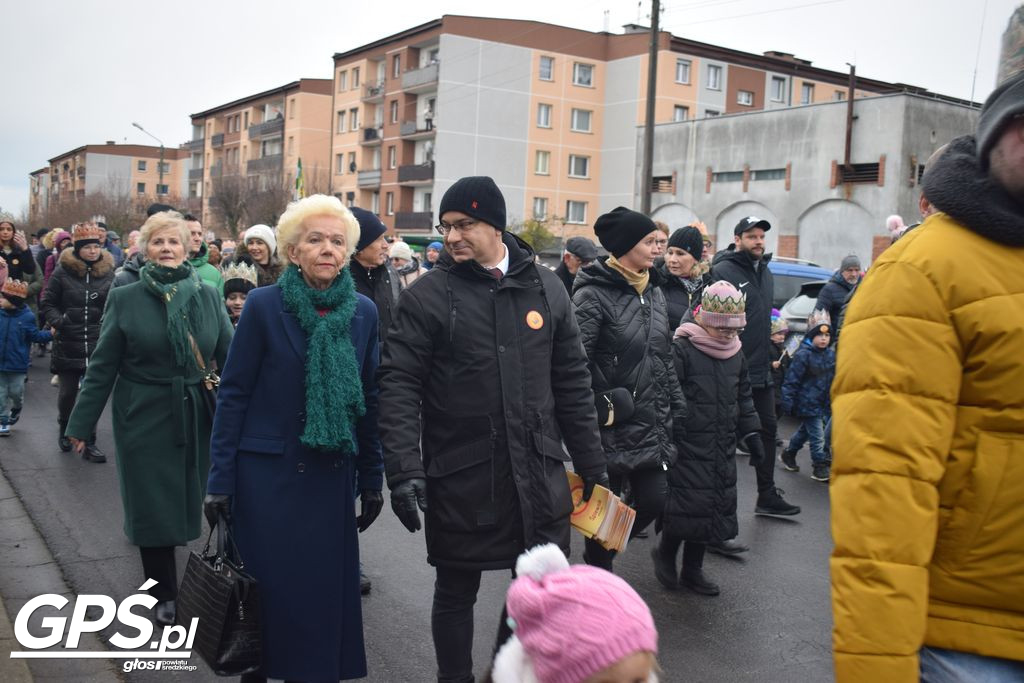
372, 504
755, 447
595, 480
215, 506
405, 498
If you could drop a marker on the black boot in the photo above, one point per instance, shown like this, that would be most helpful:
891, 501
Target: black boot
91, 453
63, 442
695, 580
664, 568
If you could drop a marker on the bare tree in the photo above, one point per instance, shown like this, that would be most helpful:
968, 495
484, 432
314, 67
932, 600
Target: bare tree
228, 197
266, 198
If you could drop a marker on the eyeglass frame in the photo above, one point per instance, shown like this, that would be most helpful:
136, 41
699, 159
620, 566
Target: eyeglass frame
460, 225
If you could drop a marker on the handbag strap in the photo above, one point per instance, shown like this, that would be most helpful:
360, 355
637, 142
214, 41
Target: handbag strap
210, 378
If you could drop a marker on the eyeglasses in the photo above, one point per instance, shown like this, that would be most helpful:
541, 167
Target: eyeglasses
461, 226
729, 332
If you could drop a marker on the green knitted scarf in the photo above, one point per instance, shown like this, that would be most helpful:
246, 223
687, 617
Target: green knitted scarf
179, 289
334, 389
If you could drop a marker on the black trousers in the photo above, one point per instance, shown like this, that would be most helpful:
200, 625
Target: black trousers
67, 392
158, 564
693, 552
649, 489
451, 623
764, 404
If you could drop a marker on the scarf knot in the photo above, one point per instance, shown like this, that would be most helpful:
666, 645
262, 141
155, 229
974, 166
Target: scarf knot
178, 288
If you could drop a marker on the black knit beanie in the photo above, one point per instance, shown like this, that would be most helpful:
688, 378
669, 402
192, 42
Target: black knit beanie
689, 240
1005, 102
621, 229
370, 227
237, 284
478, 197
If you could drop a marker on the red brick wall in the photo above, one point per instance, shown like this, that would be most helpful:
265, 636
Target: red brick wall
789, 245
879, 244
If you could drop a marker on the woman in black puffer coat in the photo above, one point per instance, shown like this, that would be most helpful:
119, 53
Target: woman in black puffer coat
72, 304
624, 328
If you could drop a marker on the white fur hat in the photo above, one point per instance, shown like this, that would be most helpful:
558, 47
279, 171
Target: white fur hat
262, 232
401, 250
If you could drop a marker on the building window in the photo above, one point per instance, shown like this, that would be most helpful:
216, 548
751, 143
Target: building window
140, 188
714, 77
291, 108
247, 120
389, 203
342, 81
768, 174
339, 164
341, 122
142, 166
547, 68
839, 96
542, 166
355, 78
712, 113
583, 74
727, 177
680, 113
579, 166
778, 89
392, 156
353, 118
164, 167
396, 66
543, 115
745, 97
351, 162
161, 189
682, 71
575, 212
540, 208
806, 93
581, 120
394, 111
291, 146
375, 202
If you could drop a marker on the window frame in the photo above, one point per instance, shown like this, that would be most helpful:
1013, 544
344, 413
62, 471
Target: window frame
393, 111
806, 93
545, 107
568, 212
551, 68
590, 120
688, 64
575, 158
577, 67
676, 109
339, 122
747, 95
717, 84
542, 216
141, 166
538, 155
389, 203
343, 80
781, 83
392, 157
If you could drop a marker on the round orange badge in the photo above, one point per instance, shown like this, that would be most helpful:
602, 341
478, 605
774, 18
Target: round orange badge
535, 320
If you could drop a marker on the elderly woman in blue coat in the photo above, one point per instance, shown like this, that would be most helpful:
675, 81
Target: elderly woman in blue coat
296, 422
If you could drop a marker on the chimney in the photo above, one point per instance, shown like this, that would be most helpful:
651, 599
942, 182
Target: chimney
111, 142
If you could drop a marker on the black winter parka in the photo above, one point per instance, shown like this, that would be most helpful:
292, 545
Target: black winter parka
626, 338
701, 504
832, 297
73, 304
678, 299
481, 381
738, 268
381, 285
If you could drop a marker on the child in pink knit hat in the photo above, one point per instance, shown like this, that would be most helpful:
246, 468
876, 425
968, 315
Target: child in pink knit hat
574, 624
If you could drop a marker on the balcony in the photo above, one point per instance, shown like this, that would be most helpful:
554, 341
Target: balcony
409, 131
373, 92
272, 162
416, 174
217, 140
372, 136
81, 171
196, 173
194, 145
369, 179
261, 130
414, 220
419, 80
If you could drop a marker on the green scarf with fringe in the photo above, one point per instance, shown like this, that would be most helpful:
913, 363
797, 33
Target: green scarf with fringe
179, 289
334, 388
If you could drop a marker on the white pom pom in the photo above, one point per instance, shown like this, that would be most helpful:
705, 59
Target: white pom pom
540, 561
513, 665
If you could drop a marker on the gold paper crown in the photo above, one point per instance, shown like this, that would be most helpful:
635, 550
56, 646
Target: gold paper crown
15, 288
88, 231
241, 271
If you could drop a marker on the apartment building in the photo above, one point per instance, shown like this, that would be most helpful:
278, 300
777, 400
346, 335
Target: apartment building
260, 139
550, 112
38, 191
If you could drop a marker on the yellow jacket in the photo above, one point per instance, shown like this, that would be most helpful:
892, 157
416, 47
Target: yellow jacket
928, 476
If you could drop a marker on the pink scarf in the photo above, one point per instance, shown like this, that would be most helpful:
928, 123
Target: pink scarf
721, 349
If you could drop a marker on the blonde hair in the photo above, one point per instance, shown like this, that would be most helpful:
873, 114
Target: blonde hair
290, 225
162, 221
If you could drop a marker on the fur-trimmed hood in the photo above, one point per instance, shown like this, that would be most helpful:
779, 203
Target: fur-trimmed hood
77, 266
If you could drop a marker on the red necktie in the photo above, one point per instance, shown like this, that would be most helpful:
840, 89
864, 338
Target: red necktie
496, 272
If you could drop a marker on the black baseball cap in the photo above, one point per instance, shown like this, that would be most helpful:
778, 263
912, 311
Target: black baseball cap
751, 222
581, 248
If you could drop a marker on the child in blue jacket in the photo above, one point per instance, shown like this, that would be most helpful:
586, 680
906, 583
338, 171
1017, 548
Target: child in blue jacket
17, 333
805, 395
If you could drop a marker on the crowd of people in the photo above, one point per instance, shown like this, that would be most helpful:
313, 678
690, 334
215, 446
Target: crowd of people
644, 368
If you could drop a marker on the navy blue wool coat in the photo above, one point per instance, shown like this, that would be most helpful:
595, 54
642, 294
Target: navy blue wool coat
293, 508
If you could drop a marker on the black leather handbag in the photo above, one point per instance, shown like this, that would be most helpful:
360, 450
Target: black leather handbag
226, 600
614, 406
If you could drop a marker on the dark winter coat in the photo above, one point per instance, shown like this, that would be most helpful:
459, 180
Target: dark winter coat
567, 278
381, 285
832, 297
627, 342
293, 508
805, 391
755, 280
701, 503
17, 333
73, 304
779, 373
489, 376
678, 299
20, 262
161, 423
129, 272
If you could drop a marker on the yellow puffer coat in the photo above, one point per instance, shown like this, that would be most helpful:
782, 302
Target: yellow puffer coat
928, 476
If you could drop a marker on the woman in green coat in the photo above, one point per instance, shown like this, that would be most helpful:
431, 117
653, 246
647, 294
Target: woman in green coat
161, 424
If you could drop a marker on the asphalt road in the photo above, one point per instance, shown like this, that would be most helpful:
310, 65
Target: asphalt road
772, 621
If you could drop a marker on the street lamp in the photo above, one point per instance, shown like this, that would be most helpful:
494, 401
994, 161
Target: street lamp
160, 168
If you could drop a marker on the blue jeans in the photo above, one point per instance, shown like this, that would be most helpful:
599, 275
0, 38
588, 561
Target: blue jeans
12, 388
951, 666
811, 429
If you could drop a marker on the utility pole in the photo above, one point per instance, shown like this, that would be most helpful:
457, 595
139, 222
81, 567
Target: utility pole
652, 82
851, 89
160, 166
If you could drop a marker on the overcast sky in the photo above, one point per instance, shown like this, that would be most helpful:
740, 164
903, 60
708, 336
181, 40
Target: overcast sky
79, 73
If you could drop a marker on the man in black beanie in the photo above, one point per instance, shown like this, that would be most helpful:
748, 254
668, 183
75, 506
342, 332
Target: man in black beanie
372, 272
483, 377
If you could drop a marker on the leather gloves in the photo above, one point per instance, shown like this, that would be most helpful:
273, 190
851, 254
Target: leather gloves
215, 506
405, 498
372, 504
595, 480
755, 447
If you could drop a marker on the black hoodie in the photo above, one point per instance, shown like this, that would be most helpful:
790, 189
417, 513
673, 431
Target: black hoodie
738, 268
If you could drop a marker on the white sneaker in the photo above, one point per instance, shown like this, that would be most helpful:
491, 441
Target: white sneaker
55, 381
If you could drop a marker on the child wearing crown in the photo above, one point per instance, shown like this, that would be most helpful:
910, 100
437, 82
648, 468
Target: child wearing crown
805, 394
17, 333
239, 280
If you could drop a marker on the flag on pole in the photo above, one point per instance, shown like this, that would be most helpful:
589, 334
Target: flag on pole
300, 189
